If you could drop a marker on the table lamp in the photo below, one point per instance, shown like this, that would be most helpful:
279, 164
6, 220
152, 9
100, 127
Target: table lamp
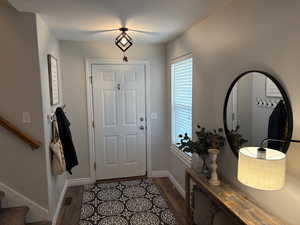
262, 168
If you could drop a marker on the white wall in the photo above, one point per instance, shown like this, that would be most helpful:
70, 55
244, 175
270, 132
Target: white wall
247, 35
47, 44
21, 169
73, 56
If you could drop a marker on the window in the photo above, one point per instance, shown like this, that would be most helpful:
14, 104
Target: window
182, 78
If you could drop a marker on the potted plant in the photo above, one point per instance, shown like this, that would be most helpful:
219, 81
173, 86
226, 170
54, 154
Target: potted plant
199, 148
216, 139
236, 139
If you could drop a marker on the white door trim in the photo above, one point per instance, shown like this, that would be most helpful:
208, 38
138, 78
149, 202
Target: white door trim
90, 106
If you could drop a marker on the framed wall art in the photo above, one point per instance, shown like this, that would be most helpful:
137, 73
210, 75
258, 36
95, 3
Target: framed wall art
53, 79
272, 90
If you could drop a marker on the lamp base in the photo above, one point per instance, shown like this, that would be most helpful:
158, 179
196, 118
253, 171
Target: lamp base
214, 180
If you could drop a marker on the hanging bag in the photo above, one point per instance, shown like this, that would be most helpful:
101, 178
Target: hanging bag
58, 159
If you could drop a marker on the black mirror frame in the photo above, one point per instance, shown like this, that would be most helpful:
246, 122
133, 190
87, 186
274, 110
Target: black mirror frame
285, 98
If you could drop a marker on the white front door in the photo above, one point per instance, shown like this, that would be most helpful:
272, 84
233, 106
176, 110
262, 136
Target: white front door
119, 117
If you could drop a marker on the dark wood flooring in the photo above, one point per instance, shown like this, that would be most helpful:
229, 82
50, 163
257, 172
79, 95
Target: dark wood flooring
70, 211
175, 200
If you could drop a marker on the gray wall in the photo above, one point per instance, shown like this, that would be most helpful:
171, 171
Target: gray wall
73, 56
20, 91
247, 35
178, 169
47, 44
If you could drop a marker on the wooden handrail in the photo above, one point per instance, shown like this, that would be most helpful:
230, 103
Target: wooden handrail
16, 131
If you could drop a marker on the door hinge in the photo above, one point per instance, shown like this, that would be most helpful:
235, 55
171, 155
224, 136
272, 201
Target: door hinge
95, 166
91, 79
93, 124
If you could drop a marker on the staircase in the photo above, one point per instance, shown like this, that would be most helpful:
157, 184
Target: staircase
15, 215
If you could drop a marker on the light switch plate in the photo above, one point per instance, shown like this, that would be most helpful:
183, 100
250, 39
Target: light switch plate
154, 116
26, 117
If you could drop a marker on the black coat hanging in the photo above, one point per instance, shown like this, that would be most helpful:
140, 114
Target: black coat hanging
277, 126
66, 139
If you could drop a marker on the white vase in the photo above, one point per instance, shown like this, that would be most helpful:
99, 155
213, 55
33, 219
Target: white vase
196, 163
214, 180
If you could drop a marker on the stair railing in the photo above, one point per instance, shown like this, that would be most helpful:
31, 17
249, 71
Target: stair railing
16, 131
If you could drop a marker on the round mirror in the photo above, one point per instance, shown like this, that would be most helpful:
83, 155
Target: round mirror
257, 107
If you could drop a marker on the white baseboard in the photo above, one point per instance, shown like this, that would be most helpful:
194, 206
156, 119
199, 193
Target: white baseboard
79, 181
13, 198
166, 173
60, 203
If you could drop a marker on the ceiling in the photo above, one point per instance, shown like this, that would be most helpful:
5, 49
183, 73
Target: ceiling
161, 20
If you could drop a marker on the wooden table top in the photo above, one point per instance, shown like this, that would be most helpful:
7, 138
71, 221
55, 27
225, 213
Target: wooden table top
234, 202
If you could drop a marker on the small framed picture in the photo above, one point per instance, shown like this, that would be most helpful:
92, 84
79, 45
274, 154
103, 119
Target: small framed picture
271, 89
53, 79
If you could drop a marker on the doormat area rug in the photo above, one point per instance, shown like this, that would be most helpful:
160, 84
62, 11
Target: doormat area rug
134, 202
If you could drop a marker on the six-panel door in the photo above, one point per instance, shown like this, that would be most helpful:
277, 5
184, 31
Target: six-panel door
119, 114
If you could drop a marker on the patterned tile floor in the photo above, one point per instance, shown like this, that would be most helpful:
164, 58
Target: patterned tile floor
135, 202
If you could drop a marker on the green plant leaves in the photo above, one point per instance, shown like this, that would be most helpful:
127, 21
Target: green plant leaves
205, 140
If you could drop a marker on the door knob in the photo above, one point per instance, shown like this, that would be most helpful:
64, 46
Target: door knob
142, 127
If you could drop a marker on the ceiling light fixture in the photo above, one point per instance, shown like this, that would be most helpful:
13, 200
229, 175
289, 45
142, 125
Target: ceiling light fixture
124, 42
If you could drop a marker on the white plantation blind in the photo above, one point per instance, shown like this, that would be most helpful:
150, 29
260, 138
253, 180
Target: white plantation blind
182, 78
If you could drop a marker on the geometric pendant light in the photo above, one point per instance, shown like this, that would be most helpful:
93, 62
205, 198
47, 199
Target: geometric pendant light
124, 41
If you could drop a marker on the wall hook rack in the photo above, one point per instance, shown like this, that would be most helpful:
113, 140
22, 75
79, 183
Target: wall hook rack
267, 103
51, 116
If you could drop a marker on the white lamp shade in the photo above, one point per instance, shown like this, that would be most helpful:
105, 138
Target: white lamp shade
262, 174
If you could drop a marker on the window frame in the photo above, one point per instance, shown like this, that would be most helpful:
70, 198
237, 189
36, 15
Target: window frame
172, 62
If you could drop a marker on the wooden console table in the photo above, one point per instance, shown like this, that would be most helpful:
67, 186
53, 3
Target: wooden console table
228, 200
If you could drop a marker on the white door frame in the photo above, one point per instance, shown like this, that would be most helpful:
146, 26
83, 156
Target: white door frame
90, 107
